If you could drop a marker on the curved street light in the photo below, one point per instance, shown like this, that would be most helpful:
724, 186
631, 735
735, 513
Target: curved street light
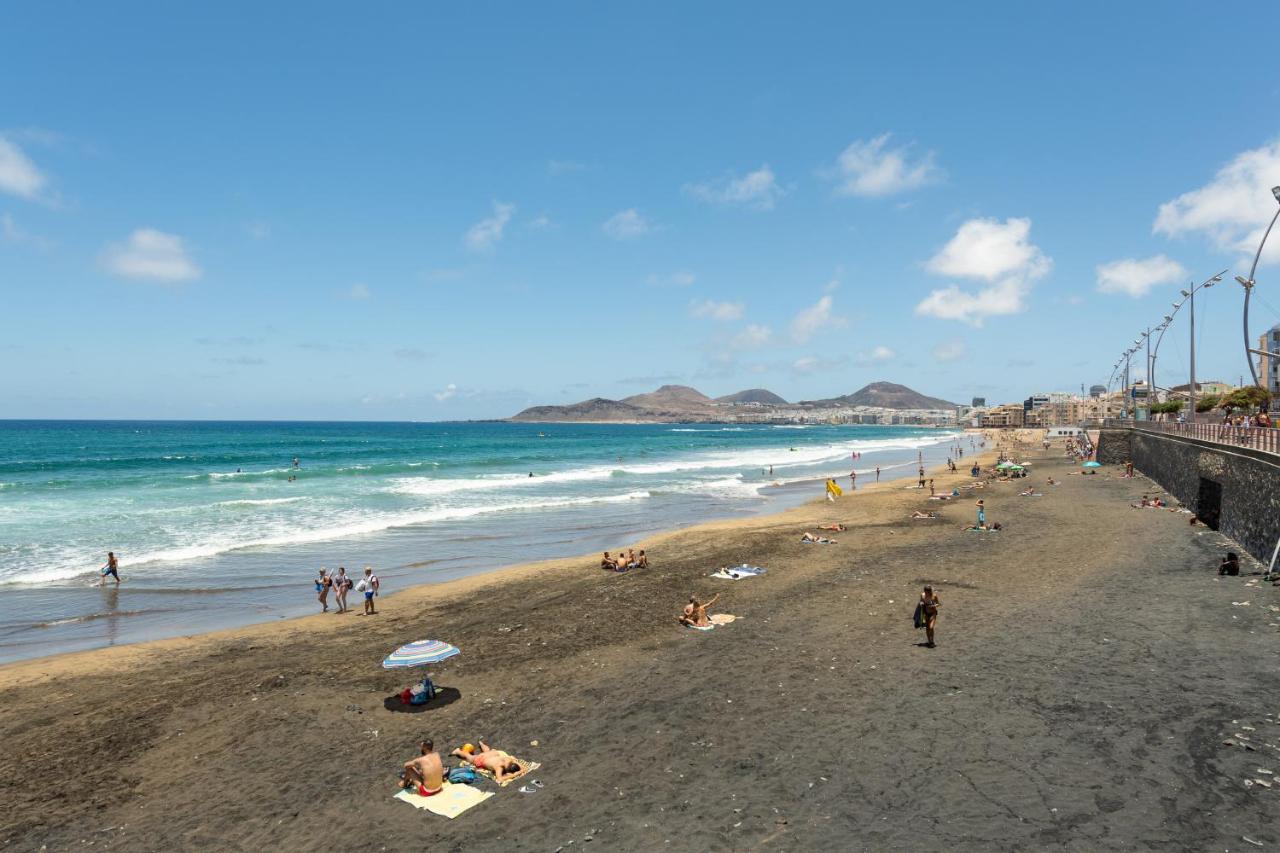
1188, 296
1248, 283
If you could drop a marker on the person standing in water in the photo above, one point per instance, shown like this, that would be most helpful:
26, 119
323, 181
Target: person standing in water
929, 604
111, 568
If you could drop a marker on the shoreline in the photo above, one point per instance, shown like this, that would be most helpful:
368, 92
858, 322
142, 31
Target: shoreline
57, 663
82, 622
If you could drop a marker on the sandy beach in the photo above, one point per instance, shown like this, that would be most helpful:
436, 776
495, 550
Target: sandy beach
1090, 666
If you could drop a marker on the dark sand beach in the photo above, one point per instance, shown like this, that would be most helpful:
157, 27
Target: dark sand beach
1089, 666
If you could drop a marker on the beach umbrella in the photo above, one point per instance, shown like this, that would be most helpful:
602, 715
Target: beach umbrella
420, 653
1005, 465
1091, 464
1016, 468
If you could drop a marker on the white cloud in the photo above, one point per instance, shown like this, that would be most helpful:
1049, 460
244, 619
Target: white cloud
752, 337
808, 364
679, 278
18, 175
758, 189
150, 255
721, 311
987, 250
1136, 277
868, 167
952, 350
541, 222
446, 393
1234, 208
486, 233
814, 319
878, 355
359, 290
11, 232
627, 225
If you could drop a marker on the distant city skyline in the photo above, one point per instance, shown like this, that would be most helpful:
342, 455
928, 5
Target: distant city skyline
307, 213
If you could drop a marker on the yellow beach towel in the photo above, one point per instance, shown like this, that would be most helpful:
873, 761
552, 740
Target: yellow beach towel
452, 800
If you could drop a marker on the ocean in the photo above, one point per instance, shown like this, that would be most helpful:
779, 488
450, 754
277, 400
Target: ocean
215, 526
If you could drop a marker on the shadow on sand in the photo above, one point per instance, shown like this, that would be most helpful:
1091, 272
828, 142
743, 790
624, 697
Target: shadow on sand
444, 696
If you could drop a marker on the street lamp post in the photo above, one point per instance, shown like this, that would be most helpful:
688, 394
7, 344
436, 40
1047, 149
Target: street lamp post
1248, 283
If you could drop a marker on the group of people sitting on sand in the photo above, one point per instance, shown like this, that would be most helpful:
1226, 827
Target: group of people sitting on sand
624, 562
425, 774
1153, 503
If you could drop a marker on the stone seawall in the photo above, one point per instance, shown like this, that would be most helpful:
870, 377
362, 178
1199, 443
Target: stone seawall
1235, 490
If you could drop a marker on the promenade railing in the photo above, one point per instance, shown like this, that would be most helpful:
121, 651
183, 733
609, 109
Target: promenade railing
1258, 438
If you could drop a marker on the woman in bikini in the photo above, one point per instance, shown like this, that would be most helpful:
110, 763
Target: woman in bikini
497, 762
929, 604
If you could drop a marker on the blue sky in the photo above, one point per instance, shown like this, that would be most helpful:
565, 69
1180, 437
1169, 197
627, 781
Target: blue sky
431, 212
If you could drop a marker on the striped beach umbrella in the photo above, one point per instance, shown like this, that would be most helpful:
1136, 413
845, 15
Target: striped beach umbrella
420, 653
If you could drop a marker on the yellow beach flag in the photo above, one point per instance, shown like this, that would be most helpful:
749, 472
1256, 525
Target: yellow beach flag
833, 489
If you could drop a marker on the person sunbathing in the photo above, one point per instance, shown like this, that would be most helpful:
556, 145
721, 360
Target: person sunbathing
695, 612
821, 540
497, 762
919, 514
642, 562
1052, 482
425, 772
836, 527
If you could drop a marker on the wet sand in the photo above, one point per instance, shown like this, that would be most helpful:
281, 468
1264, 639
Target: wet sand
1090, 665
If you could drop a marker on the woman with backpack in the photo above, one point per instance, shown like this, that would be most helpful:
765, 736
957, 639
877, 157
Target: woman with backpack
341, 586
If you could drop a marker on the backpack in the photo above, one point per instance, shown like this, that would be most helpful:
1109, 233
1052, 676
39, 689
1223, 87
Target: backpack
462, 776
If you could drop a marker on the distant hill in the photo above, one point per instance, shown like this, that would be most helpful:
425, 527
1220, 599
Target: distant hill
682, 404
753, 395
595, 409
671, 398
885, 395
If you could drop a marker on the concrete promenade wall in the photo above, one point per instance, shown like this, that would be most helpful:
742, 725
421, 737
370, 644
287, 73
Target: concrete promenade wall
1196, 471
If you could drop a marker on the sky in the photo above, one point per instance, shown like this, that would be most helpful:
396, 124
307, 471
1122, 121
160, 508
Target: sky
453, 211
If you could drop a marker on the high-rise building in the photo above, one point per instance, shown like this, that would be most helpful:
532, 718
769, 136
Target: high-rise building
979, 402
1269, 365
1097, 390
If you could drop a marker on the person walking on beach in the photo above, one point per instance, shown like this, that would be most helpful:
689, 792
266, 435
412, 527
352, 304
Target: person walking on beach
370, 584
323, 584
929, 604
341, 585
111, 568
982, 514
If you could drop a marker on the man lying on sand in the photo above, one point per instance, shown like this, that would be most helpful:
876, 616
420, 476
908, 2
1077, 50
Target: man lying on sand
919, 514
836, 527
425, 772
695, 612
497, 762
820, 540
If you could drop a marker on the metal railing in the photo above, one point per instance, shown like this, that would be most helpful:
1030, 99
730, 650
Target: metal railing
1257, 438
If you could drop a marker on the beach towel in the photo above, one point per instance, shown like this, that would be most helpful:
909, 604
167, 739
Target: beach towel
820, 541
526, 767
723, 618
733, 575
452, 800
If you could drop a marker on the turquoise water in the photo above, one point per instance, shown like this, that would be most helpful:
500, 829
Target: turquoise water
214, 525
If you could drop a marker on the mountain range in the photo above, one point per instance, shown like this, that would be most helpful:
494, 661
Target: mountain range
682, 404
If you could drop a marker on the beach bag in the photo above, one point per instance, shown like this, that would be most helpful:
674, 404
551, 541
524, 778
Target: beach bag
422, 693
918, 618
360, 586
406, 696
462, 776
